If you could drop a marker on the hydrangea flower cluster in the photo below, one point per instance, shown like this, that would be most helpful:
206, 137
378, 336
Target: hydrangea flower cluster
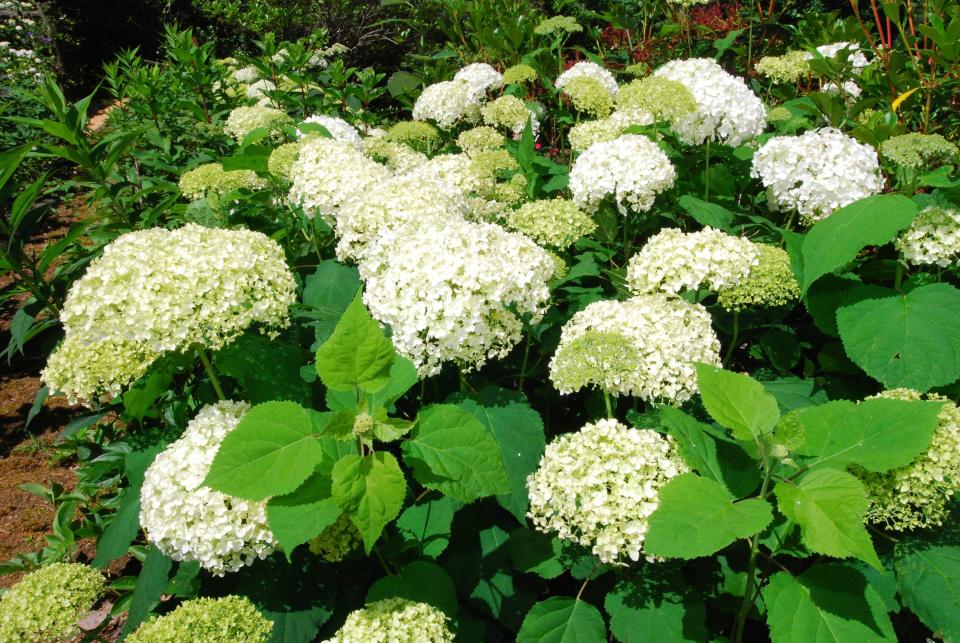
339, 129
259, 89
817, 172
674, 260
552, 222
770, 283
46, 604
416, 134
244, 120
246, 75
190, 522
588, 69
631, 169
557, 24
479, 139
446, 103
589, 96
231, 619
480, 78
457, 172
510, 113
329, 173
519, 74
918, 495
662, 98
848, 90
727, 111
337, 541
855, 57
211, 179
456, 292
599, 486
395, 620
933, 238
397, 157
282, 159
583, 135
156, 291
791, 67
669, 336
917, 150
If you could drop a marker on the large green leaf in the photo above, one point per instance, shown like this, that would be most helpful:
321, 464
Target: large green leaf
297, 517
267, 369
403, 375
426, 524
641, 612
877, 434
928, 574
518, 431
706, 213
829, 506
452, 452
826, 604
704, 512
421, 582
562, 620
832, 292
836, 240
370, 489
737, 401
271, 452
327, 293
906, 341
357, 354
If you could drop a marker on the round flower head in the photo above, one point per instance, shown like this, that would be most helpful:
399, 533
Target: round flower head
397, 157
918, 495
662, 98
589, 96
480, 78
510, 113
770, 283
329, 173
791, 67
673, 260
727, 111
480, 139
394, 620
416, 134
46, 604
557, 24
157, 291
779, 115
337, 541
519, 74
259, 89
190, 522
455, 292
848, 90
854, 55
212, 180
231, 619
933, 238
446, 103
590, 70
246, 75
817, 172
631, 169
457, 172
244, 120
584, 134
554, 222
599, 486
339, 129
282, 159
917, 151
668, 334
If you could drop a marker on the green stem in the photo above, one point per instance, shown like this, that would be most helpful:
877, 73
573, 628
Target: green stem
747, 602
606, 401
734, 336
706, 174
208, 367
383, 563
523, 366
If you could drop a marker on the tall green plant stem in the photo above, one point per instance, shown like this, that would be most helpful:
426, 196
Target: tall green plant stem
606, 401
523, 365
734, 336
208, 367
706, 174
747, 602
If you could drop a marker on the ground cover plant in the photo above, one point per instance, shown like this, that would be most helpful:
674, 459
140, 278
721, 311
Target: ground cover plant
626, 325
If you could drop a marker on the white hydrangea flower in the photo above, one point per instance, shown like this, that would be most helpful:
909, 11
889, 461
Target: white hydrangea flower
455, 292
244, 120
190, 522
848, 88
394, 620
727, 110
599, 486
631, 168
933, 238
590, 70
586, 133
856, 58
817, 172
246, 75
673, 260
480, 78
157, 291
398, 158
329, 173
446, 103
457, 172
661, 338
258, 90
339, 129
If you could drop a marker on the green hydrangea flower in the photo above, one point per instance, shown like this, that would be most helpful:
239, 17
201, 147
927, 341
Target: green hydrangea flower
212, 180
666, 99
282, 159
244, 120
918, 150
337, 541
511, 113
230, 619
595, 359
779, 115
589, 96
395, 619
788, 68
637, 70
480, 139
399, 157
491, 163
557, 24
519, 74
555, 222
47, 603
769, 284
416, 134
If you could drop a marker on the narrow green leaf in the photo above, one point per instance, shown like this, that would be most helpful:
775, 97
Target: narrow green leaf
357, 353
562, 620
706, 213
370, 489
737, 401
150, 587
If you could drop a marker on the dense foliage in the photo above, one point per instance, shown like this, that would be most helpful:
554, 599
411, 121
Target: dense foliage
577, 330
